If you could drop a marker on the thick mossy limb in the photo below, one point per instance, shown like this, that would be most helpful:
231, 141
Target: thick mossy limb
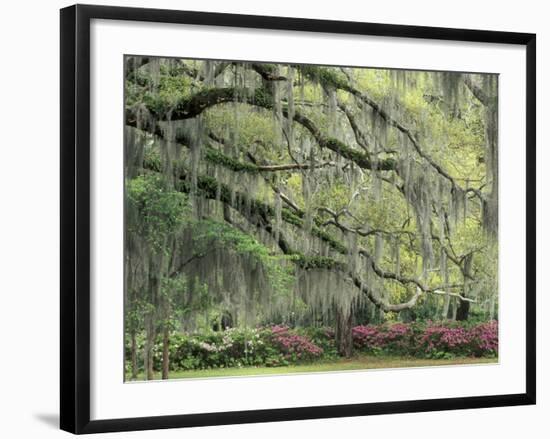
317, 262
326, 77
360, 158
261, 97
219, 158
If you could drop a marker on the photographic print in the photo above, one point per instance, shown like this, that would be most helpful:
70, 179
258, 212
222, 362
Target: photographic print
292, 218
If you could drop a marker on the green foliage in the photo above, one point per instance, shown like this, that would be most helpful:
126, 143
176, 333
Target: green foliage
174, 298
155, 211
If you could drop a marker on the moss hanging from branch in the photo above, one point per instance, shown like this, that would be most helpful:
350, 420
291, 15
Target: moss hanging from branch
382, 145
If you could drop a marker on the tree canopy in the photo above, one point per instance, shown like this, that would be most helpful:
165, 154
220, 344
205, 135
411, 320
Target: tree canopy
298, 193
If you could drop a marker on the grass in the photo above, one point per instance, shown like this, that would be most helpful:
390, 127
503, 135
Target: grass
356, 363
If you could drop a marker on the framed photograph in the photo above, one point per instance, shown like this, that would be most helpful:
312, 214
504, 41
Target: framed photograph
268, 218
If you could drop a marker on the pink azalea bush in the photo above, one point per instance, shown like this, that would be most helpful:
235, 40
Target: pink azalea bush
444, 339
294, 346
428, 339
485, 338
281, 345
395, 338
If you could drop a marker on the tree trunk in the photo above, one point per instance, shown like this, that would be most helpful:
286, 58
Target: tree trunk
165, 354
454, 309
492, 306
149, 343
151, 316
148, 352
463, 310
344, 340
446, 303
134, 356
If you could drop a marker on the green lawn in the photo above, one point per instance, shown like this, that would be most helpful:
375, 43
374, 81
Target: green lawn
356, 363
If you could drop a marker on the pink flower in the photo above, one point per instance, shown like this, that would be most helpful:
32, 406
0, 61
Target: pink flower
294, 344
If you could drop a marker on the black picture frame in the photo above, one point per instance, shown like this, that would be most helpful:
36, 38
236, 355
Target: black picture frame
75, 217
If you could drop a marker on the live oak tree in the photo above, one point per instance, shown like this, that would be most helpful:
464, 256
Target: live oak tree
265, 193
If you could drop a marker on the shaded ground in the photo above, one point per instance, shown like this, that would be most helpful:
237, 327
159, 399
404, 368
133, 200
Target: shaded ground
356, 363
